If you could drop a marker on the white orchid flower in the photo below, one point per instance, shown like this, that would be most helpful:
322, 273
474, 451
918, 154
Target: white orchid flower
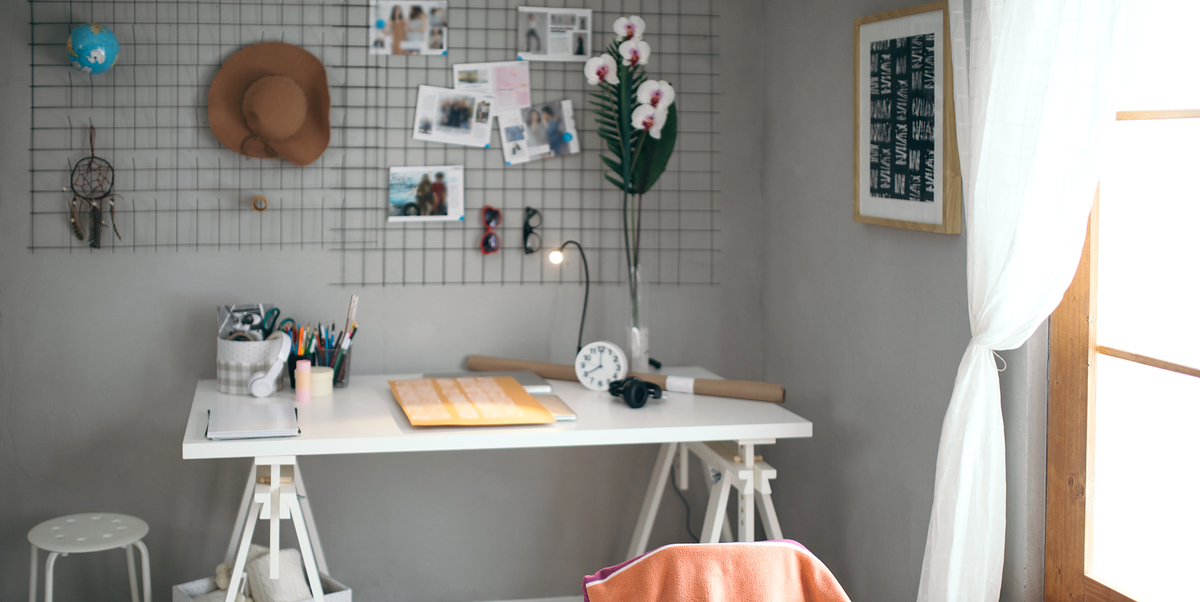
601, 68
634, 52
658, 94
648, 118
631, 28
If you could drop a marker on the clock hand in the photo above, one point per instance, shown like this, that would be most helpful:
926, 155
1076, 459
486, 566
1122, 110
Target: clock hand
589, 372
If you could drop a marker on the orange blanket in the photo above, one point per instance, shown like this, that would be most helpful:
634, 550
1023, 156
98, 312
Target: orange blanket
767, 571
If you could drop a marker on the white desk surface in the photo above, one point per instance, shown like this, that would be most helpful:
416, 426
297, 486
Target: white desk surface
365, 418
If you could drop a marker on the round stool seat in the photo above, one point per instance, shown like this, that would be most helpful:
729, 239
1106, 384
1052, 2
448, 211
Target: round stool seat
88, 532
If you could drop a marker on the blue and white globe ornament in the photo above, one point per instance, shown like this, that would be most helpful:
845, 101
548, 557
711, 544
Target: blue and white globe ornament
93, 48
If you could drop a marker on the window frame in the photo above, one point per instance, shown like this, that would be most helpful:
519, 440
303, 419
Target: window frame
1070, 428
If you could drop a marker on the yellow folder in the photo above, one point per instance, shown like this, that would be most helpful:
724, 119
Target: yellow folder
467, 401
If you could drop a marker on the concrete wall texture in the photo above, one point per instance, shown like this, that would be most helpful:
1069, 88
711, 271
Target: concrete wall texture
864, 325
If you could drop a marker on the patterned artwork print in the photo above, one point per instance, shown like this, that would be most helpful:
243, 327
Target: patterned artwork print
902, 118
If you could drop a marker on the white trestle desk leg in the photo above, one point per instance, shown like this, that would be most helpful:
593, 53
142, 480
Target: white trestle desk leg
133, 593
239, 565
681, 468
242, 510
714, 479
763, 473
306, 551
145, 569
302, 493
275, 521
770, 520
746, 499
654, 492
33, 569
714, 515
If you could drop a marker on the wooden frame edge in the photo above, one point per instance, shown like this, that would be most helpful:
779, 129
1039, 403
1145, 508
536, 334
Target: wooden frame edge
1072, 354
951, 167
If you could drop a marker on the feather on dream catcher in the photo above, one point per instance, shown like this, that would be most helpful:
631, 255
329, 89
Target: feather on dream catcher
92, 184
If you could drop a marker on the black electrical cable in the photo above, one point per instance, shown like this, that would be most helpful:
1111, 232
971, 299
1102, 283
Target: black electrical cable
587, 279
687, 508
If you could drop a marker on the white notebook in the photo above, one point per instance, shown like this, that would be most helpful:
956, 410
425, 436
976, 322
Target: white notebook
253, 420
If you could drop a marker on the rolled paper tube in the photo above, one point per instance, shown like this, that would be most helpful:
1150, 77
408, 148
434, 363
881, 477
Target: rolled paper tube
739, 389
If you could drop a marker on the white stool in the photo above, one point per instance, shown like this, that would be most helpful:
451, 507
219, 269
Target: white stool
89, 532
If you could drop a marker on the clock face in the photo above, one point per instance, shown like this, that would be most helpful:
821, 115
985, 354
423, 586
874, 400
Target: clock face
600, 363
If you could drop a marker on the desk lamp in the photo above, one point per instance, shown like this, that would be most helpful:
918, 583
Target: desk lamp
556, 257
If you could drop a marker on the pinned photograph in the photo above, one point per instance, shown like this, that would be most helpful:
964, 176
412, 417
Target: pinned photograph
406, 27
553, 34
424, 194
453, 117
538, 132
507, 83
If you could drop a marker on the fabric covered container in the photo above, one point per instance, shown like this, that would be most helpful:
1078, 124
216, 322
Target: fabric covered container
237, 360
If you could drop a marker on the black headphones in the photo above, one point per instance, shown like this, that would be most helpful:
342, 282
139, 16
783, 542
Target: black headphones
635, 391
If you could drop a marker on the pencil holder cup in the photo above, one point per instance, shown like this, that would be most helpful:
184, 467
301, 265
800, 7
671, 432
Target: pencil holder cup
291, 366
238, 360
337, 359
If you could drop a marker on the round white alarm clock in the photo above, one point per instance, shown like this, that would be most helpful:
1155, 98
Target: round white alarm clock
600, 363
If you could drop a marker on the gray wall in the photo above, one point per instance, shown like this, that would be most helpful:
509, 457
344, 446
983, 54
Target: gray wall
865, 326
99, 354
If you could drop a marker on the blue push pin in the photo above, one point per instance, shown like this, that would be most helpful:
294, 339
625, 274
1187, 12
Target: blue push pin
567, 137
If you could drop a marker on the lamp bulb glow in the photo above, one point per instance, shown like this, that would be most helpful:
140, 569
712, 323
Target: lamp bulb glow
556, 256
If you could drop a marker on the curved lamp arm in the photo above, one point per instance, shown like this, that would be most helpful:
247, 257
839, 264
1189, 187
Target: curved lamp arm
587, 280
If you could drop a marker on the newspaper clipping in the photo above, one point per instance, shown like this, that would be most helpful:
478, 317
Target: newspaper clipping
538, 132
507, 83
453, 117
554, 34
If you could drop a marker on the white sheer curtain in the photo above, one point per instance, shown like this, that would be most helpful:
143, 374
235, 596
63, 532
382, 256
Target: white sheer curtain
1031, 116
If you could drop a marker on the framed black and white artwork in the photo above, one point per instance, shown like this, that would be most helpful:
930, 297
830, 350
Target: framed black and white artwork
906, 170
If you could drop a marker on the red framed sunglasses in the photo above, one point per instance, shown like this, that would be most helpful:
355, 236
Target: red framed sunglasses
490, 242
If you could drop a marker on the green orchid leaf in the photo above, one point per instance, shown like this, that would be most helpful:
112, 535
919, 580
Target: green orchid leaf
656, 154
614, 181
612, 164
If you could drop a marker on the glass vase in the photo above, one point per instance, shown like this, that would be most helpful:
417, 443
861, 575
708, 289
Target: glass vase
639, 334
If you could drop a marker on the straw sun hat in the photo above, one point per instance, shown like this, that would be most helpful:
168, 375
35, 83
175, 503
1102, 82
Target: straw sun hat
271, 100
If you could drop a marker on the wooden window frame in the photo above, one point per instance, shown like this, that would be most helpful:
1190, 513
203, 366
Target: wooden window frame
1071, 426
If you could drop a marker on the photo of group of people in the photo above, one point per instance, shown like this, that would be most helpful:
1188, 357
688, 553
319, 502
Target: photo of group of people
406, 27
553, 34
538, 132
425, 193
453, 116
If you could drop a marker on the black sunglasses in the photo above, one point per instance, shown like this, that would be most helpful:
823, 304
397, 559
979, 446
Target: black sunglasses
533, 240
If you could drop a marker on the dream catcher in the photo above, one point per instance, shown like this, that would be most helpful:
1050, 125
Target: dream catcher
92, 185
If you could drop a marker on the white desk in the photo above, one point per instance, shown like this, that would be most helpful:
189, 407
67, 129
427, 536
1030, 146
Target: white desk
365, 418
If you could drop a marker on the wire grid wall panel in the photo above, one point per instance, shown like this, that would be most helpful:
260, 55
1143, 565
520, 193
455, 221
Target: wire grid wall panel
180, 190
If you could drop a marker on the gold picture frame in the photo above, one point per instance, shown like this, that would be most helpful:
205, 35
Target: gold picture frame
906, 165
